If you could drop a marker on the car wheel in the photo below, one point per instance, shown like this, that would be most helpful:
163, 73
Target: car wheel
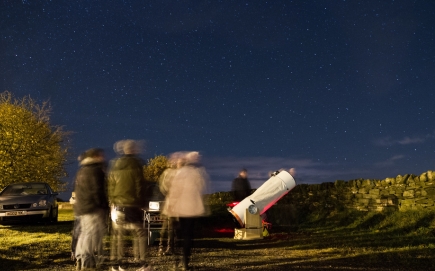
47, 220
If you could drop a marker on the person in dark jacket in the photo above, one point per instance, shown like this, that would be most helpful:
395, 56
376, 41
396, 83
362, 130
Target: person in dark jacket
126, 188
241, 188
91, 208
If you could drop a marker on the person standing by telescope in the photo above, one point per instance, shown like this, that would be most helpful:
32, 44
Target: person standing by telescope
241, 187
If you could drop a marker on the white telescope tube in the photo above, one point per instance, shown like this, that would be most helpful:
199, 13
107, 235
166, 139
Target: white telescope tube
265, 196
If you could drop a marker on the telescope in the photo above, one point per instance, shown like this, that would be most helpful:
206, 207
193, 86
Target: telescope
277, 186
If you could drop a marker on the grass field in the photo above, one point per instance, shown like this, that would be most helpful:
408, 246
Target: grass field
29, 247
345, 241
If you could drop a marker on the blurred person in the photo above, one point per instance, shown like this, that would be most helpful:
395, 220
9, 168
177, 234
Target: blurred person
294, 174
72, 199
126, 188
175, 161
185, 201
76, 226
90, 208
241, 187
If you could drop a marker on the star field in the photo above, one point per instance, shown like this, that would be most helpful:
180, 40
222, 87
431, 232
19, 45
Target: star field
338, 90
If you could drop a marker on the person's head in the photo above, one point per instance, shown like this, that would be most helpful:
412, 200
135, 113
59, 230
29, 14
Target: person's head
176, 160
128, 146
292, 172
118, 146
180, 162
172, 160
131, 147
93, 153
243, 173
192, 157
81, 157
181, 159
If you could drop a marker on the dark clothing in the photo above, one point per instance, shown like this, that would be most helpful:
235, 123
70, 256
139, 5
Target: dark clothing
126, 182
90, 209
187, 227
89, 187
129, 214
241, 188
128, 224
127, 196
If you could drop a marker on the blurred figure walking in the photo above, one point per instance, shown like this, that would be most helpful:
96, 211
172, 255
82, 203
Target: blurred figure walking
90, 208
240, 187
185, 201
126, 188
175, 162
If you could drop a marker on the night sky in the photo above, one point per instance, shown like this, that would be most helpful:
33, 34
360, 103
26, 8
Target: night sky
336, 89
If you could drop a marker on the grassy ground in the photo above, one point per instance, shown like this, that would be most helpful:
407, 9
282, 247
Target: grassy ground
345, 241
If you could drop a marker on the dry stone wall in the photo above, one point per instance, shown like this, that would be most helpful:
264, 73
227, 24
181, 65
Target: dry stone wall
408, 192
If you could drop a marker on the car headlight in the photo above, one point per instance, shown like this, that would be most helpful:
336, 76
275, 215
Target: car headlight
42, 202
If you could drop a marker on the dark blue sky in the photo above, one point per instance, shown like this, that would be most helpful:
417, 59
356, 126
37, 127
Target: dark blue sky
336, 89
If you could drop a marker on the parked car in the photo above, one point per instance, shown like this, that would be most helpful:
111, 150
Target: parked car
32, 201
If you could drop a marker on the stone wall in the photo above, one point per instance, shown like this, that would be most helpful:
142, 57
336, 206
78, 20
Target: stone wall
401, 193
408, 192
317, 201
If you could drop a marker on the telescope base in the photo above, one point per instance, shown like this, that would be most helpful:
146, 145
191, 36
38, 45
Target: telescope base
248, 234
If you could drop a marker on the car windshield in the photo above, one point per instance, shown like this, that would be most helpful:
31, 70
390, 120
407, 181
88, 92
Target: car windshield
25, 189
